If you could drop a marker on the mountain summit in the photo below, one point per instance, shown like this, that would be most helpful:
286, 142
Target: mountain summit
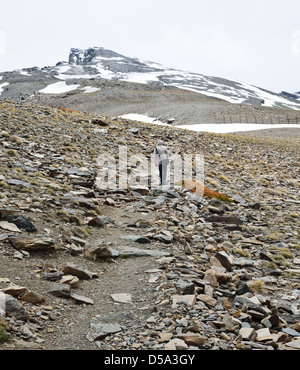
89, 56
109, 64
101, 63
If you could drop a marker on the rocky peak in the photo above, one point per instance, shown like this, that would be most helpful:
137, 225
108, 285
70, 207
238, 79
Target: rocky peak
106, 63
89, 56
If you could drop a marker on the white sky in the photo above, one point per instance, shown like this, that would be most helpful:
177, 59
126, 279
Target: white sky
252, 41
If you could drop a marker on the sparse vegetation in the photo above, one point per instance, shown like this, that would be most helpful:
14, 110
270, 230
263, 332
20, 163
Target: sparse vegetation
16, 139
3, 335
12, 153
5, 134
257, 287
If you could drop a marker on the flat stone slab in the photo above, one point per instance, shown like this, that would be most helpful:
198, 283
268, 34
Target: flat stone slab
81, 299
5, 225
29, 243
100, 330
188, 300
76, 270
263, 335
122, 297
294, 344
136, 252
19, 183
248, 333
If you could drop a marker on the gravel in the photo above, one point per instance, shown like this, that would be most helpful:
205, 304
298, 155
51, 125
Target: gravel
116, 98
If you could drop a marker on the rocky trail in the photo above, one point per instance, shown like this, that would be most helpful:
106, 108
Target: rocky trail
144, 269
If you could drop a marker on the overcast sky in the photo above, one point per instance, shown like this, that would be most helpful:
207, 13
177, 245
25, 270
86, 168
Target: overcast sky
252, 41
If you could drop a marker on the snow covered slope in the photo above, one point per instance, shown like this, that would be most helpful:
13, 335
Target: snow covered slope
103, 63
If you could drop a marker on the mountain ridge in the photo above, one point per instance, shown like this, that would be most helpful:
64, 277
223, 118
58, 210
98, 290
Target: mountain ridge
101, 63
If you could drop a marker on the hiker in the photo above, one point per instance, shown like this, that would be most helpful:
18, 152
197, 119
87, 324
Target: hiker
161, 157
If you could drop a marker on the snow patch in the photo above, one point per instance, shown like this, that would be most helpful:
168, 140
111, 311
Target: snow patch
112, 58
217, 128
25, 73
226, 128
74, 77
2, 87
142, 78
59, 88
63, 69
142, 118
90, 89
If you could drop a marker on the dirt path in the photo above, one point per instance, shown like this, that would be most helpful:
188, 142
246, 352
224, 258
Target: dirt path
65, 323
